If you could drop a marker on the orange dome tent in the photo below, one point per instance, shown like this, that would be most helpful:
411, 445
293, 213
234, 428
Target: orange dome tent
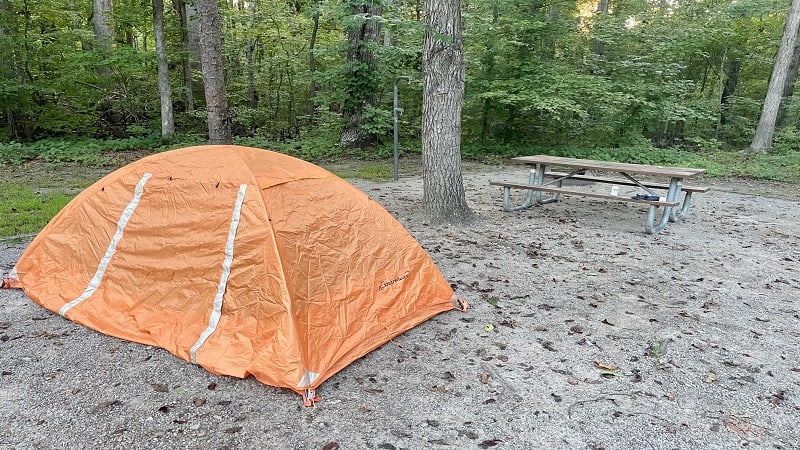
241, 260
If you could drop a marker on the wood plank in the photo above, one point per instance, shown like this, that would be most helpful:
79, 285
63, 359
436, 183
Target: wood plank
622, 181
580, 193
590, 164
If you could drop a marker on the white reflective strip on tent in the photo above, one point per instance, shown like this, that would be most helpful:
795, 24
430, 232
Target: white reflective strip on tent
223, 281
112, 247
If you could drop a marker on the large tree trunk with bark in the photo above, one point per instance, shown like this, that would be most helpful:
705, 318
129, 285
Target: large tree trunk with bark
788, 86
762, 141
212, 63
362, 88
167, 117
443, 198
186, 54
103, 21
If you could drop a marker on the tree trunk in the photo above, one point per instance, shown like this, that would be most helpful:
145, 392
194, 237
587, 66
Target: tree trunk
213, 68
361, 89
788, 87
186, 64
762, 141
444, 199
103, 21
251, 49
597, 46
312, 64
730, 70
167, 118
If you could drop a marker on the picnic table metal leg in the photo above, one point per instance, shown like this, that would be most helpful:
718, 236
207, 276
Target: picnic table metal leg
677, 215
672, 195
537, 177
528, 197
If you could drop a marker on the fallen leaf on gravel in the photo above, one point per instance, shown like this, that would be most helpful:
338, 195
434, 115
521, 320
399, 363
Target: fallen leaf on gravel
740, 427
762, 319
197, 401
373, 390
489, 443
158, 387
164, 409
102, 406
238, 429
605, 321
49, 376
489, 327
331, 446
484, 378
212, 386
75, 391
603, 366
795, 369
4, 325
669, 396
710, 378
180, 421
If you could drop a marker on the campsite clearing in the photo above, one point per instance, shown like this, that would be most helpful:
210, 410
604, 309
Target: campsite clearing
583, 333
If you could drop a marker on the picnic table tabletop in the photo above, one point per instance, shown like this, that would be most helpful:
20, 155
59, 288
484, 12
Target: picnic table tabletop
638, 169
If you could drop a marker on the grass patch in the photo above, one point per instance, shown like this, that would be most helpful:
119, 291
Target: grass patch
23, 211
366, 171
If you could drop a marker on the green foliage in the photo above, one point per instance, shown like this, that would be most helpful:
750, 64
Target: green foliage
24, 211
15, 153
538, 74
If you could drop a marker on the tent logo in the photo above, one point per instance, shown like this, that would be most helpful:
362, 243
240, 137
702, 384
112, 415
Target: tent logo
386, 284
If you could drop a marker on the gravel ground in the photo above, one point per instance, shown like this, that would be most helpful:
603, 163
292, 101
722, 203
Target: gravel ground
584, 332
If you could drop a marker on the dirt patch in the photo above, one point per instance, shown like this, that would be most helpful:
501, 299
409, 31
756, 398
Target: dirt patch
584, 332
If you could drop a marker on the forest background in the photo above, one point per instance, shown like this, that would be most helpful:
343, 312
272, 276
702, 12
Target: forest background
648, 81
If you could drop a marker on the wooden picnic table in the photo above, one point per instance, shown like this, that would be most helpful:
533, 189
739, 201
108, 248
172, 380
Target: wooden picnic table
557, 169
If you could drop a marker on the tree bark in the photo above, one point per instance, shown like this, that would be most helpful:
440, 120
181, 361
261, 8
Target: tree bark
103, 21
762, 141
597, 46
213, 68
788, 86
167, 117
252, 92
361, 90
444, 199
186, 63
730, 70
312, 64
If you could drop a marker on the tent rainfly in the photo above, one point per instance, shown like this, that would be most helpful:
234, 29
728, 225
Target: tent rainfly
242, 260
